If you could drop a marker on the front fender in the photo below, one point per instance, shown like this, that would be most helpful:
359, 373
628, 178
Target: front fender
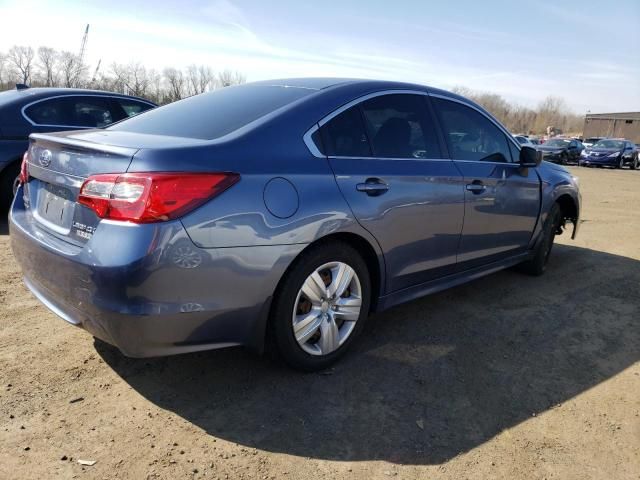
559, 186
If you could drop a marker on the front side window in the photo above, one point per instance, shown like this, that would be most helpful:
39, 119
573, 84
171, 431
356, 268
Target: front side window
470, 135
399, 126
132, 107
344, 135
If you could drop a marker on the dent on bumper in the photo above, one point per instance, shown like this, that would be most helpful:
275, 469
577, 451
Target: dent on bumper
170, 297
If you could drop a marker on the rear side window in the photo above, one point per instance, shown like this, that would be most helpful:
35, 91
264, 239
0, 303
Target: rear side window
72, 111
399, 126
215, 114
470, 135
344, 135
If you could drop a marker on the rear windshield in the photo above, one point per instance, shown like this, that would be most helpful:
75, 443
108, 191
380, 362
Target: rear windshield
215, 114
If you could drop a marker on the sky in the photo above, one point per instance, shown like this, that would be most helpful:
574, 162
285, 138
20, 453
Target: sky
587, 52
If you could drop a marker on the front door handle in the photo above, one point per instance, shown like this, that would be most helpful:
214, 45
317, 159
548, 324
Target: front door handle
476, 187
372, 187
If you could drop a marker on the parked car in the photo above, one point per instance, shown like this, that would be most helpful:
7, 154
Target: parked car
522, 140
589, 142
286, 210
561, 150
613, 153
39, 110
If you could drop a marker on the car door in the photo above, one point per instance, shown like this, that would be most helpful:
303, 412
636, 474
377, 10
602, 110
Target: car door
502, 200
574, 150
387, 161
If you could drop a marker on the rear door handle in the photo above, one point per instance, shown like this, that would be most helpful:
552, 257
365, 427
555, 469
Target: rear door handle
372, 187
476, 187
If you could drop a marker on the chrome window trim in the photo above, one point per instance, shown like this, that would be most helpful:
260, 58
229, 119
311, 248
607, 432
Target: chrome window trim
72, 95
316, 152
308, 140
333, 157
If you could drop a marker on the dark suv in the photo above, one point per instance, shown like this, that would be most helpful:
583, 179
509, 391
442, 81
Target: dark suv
39, 110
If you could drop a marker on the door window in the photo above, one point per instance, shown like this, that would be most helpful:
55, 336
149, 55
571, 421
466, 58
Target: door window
399, 126
132, 107
470, 135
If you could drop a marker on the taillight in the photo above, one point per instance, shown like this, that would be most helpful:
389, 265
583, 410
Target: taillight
151, 197
24, 168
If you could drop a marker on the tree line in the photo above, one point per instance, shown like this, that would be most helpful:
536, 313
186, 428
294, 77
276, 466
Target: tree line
48, 67
550, 112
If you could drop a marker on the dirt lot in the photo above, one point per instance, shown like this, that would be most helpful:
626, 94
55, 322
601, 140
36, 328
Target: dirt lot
507, 377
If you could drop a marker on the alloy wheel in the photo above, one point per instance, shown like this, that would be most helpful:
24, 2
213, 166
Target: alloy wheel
327, 308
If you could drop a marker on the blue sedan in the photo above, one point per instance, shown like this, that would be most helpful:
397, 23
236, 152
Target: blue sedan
284, 211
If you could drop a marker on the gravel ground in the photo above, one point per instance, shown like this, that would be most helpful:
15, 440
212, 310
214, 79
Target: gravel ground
506, 377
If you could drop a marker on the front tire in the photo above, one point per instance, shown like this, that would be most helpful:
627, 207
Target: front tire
564, 159
538, 264
636, 163
321, 306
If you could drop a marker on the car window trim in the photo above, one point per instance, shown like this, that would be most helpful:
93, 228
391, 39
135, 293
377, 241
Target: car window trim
313, 148
73, 95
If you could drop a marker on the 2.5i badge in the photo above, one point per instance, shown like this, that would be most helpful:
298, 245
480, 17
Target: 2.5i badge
83, 231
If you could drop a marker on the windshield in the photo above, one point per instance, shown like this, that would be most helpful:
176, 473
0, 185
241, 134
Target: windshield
557, 142
215, 114
617, 144
591, 140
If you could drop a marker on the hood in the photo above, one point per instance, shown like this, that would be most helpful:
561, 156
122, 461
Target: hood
604, 150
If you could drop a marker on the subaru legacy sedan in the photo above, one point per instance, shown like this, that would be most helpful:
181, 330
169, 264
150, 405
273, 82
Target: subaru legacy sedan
278, 214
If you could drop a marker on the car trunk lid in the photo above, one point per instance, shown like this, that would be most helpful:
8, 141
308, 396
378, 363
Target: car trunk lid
58, 165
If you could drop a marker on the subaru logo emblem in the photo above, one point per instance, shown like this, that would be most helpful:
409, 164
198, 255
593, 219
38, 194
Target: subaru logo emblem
45, 158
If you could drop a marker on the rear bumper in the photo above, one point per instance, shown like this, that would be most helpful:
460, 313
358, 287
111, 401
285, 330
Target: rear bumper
147, 289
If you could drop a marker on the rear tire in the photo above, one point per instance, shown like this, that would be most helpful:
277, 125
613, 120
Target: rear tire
311, 333
538, 264
7, 181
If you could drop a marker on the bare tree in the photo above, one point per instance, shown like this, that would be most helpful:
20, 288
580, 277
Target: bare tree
47, 58
226, 78
3, 70
175, 81
199, 79
21, 59
68, 67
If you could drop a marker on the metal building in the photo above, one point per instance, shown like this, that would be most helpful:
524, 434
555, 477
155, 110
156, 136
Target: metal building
619, 125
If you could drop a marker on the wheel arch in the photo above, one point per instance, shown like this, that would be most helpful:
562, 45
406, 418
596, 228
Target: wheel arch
372, 257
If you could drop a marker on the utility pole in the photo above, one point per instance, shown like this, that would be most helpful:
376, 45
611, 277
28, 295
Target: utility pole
83, 47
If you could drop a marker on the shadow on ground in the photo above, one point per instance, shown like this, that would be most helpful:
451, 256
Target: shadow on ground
427, 380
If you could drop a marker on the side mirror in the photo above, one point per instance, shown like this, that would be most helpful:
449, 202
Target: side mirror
530, 157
